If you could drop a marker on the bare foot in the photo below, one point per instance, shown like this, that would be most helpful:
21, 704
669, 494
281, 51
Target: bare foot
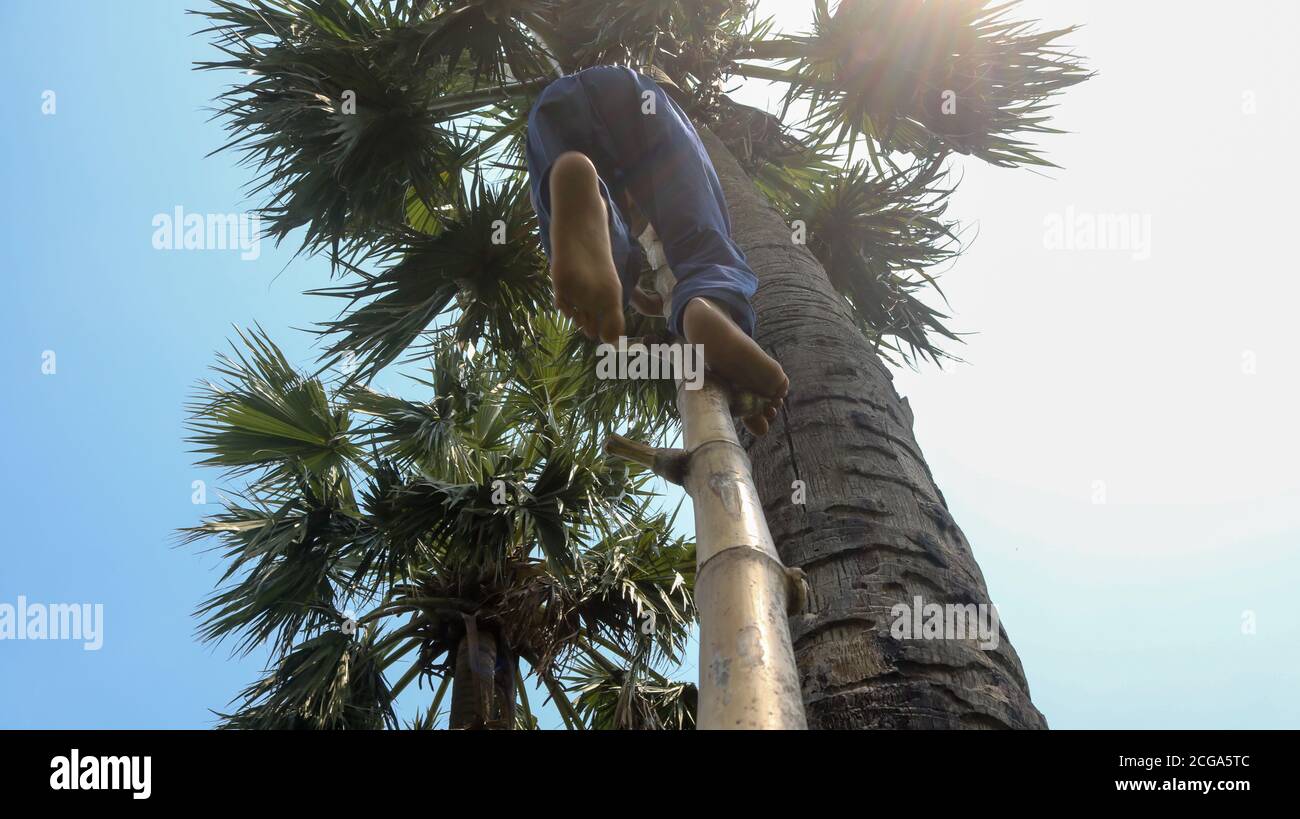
736, 358
586, 283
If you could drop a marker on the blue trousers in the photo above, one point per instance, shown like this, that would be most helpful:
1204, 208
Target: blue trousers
643, 144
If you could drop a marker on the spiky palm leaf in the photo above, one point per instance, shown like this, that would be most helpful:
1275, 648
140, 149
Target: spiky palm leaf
925, 76
332, 681
338, 112
483, 271
876, 235
611, 697
270, 421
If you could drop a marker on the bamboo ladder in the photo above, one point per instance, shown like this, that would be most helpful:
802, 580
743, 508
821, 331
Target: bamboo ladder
743, 592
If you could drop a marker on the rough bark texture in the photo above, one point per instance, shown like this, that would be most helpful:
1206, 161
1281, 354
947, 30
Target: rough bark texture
874, 530
473, 688
503, 689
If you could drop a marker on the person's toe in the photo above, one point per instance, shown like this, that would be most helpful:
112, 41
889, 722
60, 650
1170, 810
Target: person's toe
611, 326
756, 424
562, 296
581, 319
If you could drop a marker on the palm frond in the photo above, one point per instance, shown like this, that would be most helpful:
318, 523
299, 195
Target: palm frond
281, 571
926, 76
483, 271
331, 681
877, 236
337, 114
611, 697
268, 420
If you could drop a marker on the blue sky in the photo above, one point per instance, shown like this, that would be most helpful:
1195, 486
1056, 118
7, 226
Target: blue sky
95, 475
1092, 372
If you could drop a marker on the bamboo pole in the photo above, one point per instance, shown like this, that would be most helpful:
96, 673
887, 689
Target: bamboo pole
744, 594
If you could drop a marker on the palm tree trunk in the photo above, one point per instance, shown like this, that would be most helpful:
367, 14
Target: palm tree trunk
472, 688
503, 689
874, 530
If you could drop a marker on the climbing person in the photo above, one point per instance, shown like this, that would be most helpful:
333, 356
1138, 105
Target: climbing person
606, 136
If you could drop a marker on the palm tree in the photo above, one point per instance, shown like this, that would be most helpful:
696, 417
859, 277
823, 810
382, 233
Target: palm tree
482, 534
363, 118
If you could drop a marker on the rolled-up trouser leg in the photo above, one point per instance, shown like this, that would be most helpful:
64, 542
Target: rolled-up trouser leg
563, 120
641, 142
